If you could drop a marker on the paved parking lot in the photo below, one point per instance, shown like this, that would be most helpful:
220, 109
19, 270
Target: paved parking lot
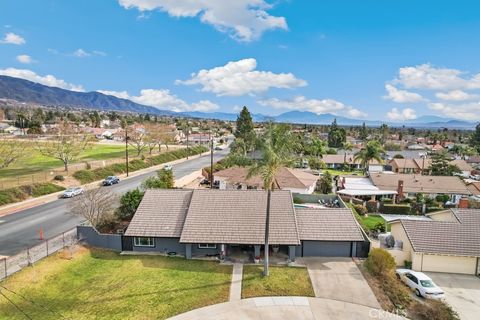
339, 279
462, 292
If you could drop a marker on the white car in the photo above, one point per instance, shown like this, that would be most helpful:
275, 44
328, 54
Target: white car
72, 192
167, 167
420, 283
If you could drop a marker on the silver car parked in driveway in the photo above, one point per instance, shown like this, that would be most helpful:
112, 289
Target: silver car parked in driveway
420, 283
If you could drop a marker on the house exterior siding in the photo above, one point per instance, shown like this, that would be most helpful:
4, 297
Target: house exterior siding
442, 263
163, 245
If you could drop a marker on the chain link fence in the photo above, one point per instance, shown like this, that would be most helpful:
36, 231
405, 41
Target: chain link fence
12, 264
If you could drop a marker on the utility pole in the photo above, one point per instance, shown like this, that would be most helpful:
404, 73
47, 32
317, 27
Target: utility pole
211, 158
187, 137
126, 148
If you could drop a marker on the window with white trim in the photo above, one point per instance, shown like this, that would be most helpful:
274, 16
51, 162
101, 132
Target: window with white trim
143, 242
207, 246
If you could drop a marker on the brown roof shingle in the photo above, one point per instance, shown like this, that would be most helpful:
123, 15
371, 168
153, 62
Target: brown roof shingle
233, 216
460, 238
160, 214
332, 224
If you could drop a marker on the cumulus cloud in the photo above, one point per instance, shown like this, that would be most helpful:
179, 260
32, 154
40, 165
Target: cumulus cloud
238, 78
12, 38
455, 95
25, 58
243, 20
400, 115
401, 96
80, 53
426, 76
48, 80
467, 111
164, 99
313, 105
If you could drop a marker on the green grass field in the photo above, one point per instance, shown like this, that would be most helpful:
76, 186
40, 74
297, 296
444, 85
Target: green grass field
99, 284
282, 281
334, 172
34, 162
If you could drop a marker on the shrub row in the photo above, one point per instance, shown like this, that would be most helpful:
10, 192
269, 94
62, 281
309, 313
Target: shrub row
395, 209
21, 193
86, 176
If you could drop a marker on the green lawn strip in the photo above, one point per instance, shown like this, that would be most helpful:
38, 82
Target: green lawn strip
86, 176
334, 172
282, 281
99, 284
367, 222
18, 194
34, 162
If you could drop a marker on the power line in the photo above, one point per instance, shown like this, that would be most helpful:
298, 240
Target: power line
17, 307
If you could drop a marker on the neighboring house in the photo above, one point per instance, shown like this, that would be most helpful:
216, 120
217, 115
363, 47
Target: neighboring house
206, 222
419, 165
336, 161
474, 188
7, 128
449, 242
294, 180
409, 185
474, 161
362, 189
404, 166
199, 138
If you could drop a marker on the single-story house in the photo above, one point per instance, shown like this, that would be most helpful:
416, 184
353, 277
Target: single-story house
408, 185
209, 222
295, 180
362, 189
404, 166
336, 161
449, 242
473, 161
419, 165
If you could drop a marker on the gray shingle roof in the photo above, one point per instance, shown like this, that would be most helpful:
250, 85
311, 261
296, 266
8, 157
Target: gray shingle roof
332, 224
232, 216
460, 238
160, 214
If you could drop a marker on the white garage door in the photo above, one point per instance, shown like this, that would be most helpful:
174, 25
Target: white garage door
449, 264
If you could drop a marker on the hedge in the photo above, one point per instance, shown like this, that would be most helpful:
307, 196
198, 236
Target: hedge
86, 176
21, 193
395, 209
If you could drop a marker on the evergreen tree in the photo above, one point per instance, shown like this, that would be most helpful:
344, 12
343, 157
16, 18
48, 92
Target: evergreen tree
336, 135
363, 134
245, 130
324, 184
475, 138
440, 165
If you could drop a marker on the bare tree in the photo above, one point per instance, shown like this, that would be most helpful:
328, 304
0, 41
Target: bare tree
66, 146
137, 138
95, 205
11, 151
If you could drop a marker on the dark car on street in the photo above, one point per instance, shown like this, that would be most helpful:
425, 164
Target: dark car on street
110, 180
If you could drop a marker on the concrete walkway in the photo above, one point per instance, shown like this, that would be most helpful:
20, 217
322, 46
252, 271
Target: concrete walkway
286, 308
236, 287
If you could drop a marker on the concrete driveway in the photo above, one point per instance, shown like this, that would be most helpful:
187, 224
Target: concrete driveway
462, 292
339, 279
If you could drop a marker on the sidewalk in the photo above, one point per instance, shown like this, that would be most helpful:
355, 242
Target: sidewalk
33, 202
236, 287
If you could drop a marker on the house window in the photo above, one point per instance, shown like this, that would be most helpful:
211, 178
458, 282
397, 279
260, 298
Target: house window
207, 246
143, 242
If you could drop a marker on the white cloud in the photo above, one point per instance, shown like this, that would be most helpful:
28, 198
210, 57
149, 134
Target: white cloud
80, 53
48, 80
400, 115
243, 20
238, 78
164, 99
455, 95
401, 96
426, 76
12, 38
25, 58
467, 111
313, 105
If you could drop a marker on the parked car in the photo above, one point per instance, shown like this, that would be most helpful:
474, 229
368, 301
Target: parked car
475, 177
111, 180
218, 148
167, 167
205, 182
72, 192
420, 283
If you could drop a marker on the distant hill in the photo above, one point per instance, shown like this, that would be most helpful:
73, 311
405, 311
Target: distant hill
27, 91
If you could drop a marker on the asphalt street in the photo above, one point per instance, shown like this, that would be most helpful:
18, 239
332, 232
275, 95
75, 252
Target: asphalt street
21, 230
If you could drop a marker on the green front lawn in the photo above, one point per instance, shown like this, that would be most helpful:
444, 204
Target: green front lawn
368, 223
100, 284
282, 281
334, 172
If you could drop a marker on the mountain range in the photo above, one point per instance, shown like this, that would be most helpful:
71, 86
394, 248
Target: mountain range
30, 92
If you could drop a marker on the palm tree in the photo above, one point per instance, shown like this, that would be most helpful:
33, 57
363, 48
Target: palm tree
346, 146
277, 150
372, 151
316, 147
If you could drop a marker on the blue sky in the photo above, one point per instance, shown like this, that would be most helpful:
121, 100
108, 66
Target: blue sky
395, 60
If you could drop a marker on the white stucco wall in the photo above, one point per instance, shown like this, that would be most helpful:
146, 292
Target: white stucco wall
442, 263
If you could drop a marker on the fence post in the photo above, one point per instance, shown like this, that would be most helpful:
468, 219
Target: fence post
28, 256
5, 265
46, 242
63, 239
